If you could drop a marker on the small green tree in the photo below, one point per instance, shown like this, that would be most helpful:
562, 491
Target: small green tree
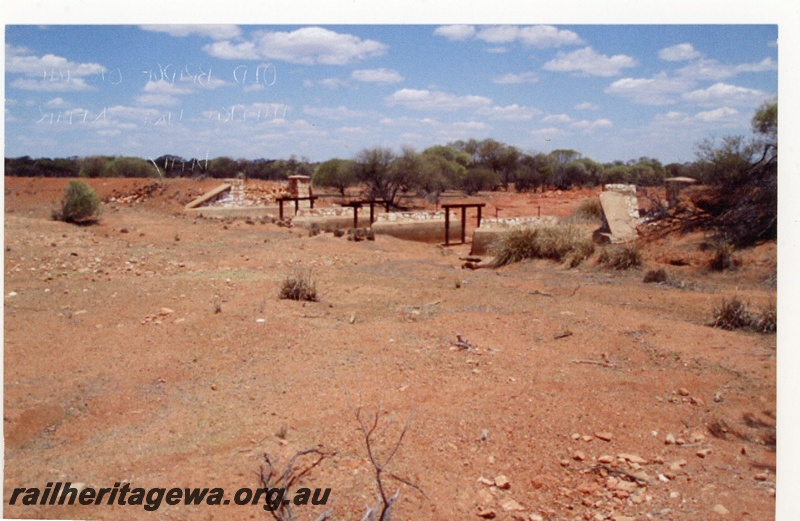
79, 205
335, 173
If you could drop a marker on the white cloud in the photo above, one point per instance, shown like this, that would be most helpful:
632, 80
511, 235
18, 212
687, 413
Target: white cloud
588, 61
435, 100
680, 52
157, 99
71, 85
713, 70
720, 93
57, 103
165, 87
377, 76
332, 83
587, 106
557, 118
513, 78
48, 67
659, 90
716, 115
215, 31
548, 133
590, 125
455, 32
306, 46
540, 36
406, 121
510, 112
547, 36
336, 113
229, 51
359, 131
499, 33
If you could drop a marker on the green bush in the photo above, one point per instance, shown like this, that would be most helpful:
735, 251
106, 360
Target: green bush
79, 205
560, 242
620, 257
299, 286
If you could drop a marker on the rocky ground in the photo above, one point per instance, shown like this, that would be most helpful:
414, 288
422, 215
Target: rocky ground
153, 349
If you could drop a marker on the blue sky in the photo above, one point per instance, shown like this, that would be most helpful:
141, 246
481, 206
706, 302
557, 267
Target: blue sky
322, 91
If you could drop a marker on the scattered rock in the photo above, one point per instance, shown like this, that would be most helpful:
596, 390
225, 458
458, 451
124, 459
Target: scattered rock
702, 453
605, 436
670, 439
502, 482
606, 458
485, 481
721, 510
509, 505
578, 455
632, 458
486, 513
683, 391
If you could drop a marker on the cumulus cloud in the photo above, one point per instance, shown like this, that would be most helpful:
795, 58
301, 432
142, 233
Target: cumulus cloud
436, 100
539, 36
547, 36
587, 105
48, 72
215, 31
335, 113
713, 70
727, 94
513, 78
306, 46
716, 115
659, 90
585, 124
557, 118
548, 133
455, 32
680, 52
588, 61
377, 76
512, 112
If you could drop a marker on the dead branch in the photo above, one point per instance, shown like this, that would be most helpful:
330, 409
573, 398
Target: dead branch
595, 362
463, 343
369, 429
271, 478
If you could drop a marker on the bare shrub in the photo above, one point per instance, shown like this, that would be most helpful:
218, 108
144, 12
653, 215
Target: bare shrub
298, 466
559, 242
620, 257
299, 286
732, 314
723, 258
655, 276
590, 209
371, 428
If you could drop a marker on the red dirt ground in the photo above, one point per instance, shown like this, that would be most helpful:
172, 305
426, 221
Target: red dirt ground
118, 368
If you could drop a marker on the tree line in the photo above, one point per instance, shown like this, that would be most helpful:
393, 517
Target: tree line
744, 169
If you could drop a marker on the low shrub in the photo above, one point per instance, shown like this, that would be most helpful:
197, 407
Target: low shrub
299, 286
590, 209
722, 258
79, 205
655, 276
732, 314
560, 242
620, 257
